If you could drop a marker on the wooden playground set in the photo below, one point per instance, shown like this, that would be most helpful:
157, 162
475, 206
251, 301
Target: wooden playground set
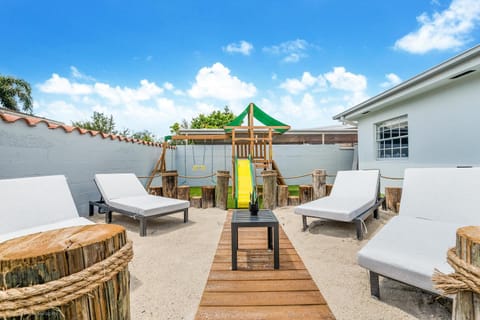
251, 151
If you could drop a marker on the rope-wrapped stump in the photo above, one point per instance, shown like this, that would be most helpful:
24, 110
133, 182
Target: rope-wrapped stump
71, 273
464, 282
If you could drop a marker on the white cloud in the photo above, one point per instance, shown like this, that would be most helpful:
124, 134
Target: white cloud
339, 89
62, 111
295, 86
60, 85
445, 30
79, 75
292, 51
242, 47
144, 106
216, 82
392, 80
307, 112
126, 95
168, 86
341, 79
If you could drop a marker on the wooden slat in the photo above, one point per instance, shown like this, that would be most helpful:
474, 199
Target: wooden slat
262, 298
312, 312
260, 286
259, 275
256, 290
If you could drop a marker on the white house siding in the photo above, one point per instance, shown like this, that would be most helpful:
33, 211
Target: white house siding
36, 151
443, 129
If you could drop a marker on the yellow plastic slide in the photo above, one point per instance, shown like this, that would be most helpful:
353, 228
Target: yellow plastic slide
244, 182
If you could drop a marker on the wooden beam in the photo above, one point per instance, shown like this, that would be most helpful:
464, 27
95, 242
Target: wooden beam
202, 137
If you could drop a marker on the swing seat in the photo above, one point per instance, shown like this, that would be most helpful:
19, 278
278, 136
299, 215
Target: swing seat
197, 167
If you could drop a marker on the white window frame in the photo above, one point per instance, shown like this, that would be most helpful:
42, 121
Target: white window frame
391, 139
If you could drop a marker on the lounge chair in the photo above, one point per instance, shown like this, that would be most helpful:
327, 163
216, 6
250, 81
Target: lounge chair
37, 204
354, 197
123, 193
435, 202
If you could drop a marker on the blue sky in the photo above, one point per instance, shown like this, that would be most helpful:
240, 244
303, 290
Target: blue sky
153, 63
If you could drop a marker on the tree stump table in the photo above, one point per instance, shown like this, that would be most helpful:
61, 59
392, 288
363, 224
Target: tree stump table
393, 195
156, 191
221, 190
183, 192
208, 197
293, 201
305, 193
282, 195
70, 273
169, 183
196, 202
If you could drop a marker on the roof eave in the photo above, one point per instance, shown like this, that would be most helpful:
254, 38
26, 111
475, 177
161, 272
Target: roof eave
424, 81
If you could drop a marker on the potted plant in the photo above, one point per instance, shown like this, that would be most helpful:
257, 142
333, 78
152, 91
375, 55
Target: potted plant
253, 204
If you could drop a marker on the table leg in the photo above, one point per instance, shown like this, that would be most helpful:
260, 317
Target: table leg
276, 248
270, 238
234, 246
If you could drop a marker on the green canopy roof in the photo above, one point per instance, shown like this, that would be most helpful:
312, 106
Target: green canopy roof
261, 116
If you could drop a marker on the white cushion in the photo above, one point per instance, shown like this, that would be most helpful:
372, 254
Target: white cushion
335, 208
356, 183
435, 203
73, 222
442, 194
408, 249
149, 205
353, 193
32, 202
124, 191
119, 185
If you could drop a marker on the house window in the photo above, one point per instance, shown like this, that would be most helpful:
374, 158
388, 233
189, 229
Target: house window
392, 139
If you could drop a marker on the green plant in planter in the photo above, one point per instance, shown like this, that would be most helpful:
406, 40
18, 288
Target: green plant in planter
253, 205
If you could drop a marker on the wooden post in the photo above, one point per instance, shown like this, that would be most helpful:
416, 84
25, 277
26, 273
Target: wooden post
39, 259
169, 183
319, 183
305, 193
221, 191
328, 189
208, 197
196, 202
466, 305
156, 191
293, 200
269, 189
183, 192
282, 195
393, 195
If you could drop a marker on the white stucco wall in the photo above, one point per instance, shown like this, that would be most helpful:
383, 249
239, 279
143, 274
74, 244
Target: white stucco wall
37, 151
443, 130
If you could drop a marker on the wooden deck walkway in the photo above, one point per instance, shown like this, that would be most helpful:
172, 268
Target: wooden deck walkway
256, 290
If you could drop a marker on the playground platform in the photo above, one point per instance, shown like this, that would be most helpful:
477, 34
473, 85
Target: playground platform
256, 290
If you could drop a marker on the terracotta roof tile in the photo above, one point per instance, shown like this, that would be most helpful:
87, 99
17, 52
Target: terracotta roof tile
32, 121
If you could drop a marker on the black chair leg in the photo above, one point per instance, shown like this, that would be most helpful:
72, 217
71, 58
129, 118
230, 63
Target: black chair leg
374, 285
304, 221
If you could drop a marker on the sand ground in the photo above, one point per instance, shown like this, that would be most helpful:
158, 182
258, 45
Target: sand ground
171, 266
